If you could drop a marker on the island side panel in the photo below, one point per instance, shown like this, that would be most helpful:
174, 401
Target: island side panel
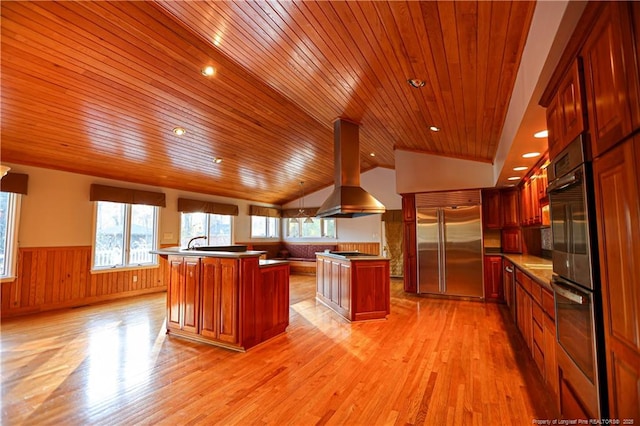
273, 297
249, 302
371, 289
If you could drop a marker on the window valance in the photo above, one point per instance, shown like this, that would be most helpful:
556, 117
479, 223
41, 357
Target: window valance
186, 205
15, 182
289, 213
264, 211
126, 195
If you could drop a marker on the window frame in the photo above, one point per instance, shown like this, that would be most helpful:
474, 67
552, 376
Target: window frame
11, 241
154, 263
300, 221
277, 225
208, 226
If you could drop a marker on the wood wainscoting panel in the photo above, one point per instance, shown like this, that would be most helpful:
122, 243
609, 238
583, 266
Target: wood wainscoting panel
60, 277
369, 248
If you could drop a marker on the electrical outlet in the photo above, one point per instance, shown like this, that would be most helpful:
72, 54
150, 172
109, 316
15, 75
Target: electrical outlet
135, 278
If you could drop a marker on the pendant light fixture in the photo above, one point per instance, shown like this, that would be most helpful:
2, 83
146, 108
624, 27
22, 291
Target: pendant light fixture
301, 212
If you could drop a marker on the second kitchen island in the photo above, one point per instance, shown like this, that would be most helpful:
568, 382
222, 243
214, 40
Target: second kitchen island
355, 285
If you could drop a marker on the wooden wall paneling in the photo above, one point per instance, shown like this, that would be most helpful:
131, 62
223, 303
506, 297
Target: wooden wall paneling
56, 277
370, 248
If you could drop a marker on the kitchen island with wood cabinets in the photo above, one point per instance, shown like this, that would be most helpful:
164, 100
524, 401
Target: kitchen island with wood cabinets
355, 285
229, 299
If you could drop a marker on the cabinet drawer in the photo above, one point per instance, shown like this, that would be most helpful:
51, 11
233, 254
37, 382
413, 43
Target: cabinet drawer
538, 357
519, 275
536, 292
538, 315
526, 283
548, 304
538, 335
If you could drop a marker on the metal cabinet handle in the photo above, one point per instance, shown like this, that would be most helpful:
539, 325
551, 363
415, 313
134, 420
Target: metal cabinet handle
508, 269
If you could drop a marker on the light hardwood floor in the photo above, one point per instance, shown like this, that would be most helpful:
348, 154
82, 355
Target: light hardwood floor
433, 361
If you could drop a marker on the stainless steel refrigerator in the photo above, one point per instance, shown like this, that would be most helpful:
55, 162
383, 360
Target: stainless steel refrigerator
450, 258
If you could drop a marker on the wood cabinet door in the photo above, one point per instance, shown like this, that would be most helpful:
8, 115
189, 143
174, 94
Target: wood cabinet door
344, 299
554, 120
607, 91
493, 289
525, 203
510, 208
174, 293
511, 240
227, 301
210, 271
191, 300
491, 209
570, 102
617, 188
634, 68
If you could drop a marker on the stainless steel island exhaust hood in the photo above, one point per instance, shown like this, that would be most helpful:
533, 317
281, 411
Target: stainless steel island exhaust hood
348, 199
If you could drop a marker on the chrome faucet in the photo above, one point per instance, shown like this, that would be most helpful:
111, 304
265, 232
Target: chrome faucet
189, 247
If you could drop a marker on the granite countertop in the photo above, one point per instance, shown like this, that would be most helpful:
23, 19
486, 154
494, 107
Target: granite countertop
169, 251
265, 263
359, 256
538, 268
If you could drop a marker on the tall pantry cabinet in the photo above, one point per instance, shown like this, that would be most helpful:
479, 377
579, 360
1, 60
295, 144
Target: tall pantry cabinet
618, 203
611, 69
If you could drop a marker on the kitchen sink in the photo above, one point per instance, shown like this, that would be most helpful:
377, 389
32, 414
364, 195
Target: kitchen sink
233, 248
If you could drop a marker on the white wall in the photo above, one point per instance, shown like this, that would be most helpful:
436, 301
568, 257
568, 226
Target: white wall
57, 212
416, 172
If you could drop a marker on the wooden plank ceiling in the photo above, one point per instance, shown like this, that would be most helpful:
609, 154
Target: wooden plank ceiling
96, 87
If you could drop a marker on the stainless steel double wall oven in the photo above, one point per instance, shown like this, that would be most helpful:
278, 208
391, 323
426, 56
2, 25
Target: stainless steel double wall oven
576, 282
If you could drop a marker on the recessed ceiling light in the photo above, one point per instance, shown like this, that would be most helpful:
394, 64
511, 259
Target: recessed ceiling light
531, 155
541, 134
416, 82
217, 160
179, 131
208, 71
434, 128
520, 168
513, 178
372, 154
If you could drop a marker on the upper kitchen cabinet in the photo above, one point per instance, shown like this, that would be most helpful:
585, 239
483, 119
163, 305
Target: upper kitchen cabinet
565, 114
533, 196
510, 209
611, 75
491, 209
